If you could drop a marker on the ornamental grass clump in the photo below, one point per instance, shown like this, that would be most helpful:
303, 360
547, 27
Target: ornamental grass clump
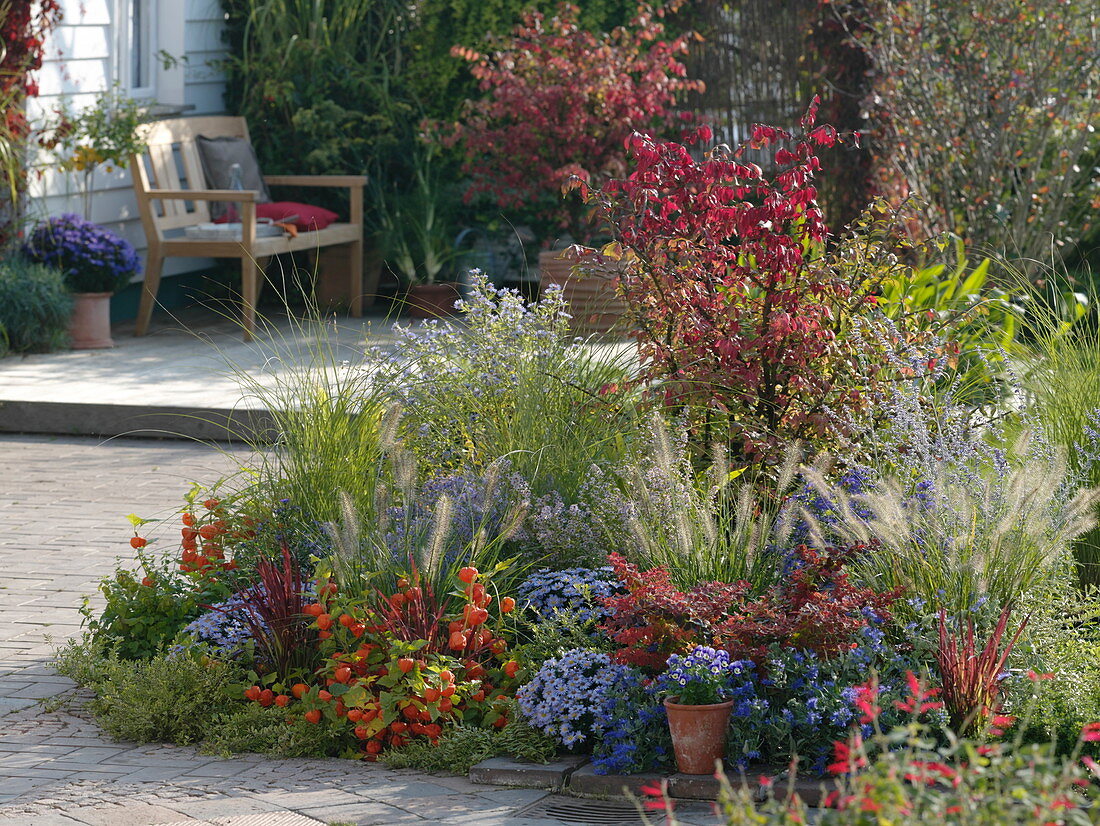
955, 514
699, 524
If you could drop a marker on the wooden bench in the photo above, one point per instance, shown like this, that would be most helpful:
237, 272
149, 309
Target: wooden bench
167, 209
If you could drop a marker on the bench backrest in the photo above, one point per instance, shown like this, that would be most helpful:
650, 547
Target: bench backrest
158, 168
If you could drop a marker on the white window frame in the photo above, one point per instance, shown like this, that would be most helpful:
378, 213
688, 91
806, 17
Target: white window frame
123, 74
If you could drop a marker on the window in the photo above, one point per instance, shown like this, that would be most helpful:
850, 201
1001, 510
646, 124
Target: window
136, 44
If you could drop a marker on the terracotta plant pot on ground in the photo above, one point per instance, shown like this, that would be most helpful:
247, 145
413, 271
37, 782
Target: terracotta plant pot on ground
593, 301
698, 735
432, 300
90, 326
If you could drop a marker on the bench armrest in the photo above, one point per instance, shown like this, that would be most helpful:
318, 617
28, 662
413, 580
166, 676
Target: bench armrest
316, 180
237, 195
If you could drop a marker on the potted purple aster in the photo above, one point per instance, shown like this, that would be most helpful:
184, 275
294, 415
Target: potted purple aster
696, 688
95, 262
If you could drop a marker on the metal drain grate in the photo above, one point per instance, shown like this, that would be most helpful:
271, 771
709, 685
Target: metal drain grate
589, 812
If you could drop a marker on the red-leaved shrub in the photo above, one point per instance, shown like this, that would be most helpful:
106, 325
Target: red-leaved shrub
741, 316
816, 609
560, 102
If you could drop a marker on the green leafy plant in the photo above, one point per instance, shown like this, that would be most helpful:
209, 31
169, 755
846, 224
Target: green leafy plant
462, 747
105, 133
982, 112
322, 85
414, 235
143, 614
34, 307
979, 319
254, 728
171, 697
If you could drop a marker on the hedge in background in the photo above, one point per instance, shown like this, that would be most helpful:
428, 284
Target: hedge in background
34, 307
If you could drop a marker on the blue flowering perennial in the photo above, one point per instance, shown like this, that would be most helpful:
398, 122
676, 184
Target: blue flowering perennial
486, 505
225, 628
575, 590
91, 258
702, 676
795, 703
566, 696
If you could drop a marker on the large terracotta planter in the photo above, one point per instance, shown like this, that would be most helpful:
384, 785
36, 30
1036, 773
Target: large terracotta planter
432, 300
90, 324
589, 288
698, 735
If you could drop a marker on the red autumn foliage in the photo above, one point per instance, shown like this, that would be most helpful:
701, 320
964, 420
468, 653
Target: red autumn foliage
816, 609
23, 28
22, 34
560, 102
654, 619
740, 313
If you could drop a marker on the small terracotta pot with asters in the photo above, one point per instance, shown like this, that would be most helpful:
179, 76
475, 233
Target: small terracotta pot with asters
698, 734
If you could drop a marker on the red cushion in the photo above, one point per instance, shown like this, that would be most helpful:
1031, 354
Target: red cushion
309, 217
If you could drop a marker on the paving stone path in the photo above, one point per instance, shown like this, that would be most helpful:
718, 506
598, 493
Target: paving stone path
63, 503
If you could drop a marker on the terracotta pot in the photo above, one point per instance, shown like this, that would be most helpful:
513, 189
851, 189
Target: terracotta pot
90, 324
698, 735
590, 290
432, 300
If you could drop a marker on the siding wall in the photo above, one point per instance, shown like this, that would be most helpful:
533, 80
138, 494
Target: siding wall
80, 62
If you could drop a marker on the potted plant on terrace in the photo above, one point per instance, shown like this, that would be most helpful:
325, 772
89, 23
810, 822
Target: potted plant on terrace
698, 711
95, 262
559, 107
415, 242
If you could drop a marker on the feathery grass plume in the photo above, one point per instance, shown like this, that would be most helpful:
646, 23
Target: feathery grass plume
955, 511
699, 524
432, 555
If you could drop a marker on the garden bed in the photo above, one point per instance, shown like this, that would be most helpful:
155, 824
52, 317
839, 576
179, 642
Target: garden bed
495, 541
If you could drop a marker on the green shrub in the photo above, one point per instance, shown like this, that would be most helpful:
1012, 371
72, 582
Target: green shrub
462, 747
169, 698
144, 613
253, 728
34, 307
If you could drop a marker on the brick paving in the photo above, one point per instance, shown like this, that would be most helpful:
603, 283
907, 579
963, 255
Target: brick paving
63, 502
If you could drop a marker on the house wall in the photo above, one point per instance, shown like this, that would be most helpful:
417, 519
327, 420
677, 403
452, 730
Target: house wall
82, 58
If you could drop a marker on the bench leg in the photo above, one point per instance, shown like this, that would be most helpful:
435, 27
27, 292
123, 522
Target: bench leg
154, 264
355, 277
340, 278
250, 290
